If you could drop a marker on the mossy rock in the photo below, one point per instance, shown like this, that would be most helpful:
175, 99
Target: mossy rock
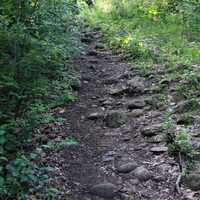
100, 46
115, 119
156, 101
185, 119
187, 106
76, 84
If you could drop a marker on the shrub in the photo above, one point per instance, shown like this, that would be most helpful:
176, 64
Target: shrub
37, 41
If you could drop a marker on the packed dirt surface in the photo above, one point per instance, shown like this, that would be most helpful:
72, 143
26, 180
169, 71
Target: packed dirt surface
121, 152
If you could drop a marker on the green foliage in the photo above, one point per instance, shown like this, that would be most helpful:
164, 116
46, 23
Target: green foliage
61, 144
150, 32
181, 144
37, 41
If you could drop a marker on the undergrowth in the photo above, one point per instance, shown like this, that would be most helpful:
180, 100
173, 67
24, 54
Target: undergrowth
38, 39
156, 35
151, 32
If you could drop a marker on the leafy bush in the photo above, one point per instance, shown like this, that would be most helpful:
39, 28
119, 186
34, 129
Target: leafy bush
181, 144
37, 41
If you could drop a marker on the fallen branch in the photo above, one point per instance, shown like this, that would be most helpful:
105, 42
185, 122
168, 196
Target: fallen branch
180, 175
178, 183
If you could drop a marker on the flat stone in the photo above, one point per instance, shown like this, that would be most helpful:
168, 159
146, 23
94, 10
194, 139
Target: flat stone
96, 115
94, 61
105, 190
92, 53
142, 174
151, 130
115, 119
126, 138
136, 104
118, 91
159, 150
128, 167
156, 139
108, 158
136, 113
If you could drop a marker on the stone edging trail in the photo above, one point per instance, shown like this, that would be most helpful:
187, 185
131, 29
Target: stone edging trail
121, 152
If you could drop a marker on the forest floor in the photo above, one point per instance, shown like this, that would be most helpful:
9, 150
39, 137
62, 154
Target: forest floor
120, 150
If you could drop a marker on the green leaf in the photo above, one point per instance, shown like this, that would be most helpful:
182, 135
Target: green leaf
2, 181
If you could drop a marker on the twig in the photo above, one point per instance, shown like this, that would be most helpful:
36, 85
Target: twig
178, 183
180, 175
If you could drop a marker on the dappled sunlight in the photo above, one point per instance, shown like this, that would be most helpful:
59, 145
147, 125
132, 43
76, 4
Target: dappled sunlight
104, 5
153, 12
127, 40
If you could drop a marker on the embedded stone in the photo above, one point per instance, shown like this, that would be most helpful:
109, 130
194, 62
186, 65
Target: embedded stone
136, 104
159, 150
128, 167
151, 130
115, 119
142, 173
105, 190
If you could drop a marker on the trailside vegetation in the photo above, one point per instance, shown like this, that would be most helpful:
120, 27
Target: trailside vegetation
37, 41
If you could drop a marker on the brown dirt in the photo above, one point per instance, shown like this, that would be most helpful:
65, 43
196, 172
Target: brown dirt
101, 149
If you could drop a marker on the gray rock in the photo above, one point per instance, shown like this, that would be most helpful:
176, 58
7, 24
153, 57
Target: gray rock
151, 130
108, 158
105, 190
156, 139
92, 53
136, 113
96, 115
94, 61
195, 142
185, 106
115, 119
118, 91
142, 173
128, 167
193, 181
136, 85
159, 150
135, 104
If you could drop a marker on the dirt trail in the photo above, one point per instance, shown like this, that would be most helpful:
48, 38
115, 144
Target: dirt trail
121, 152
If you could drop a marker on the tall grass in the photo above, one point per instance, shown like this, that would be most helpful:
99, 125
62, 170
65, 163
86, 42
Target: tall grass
148, 30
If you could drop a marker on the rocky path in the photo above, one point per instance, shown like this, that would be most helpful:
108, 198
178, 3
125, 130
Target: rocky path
121, 152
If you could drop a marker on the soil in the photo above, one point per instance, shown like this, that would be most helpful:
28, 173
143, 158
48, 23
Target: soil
126, 161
